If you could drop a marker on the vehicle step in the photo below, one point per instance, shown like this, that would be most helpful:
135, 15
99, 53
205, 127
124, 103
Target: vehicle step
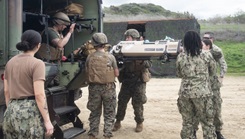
65, 109
73, 132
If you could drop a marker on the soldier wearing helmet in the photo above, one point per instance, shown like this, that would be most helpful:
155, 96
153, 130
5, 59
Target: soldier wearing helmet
131, 34
55, 37
53, 41
133, 86
101, 68
61, 19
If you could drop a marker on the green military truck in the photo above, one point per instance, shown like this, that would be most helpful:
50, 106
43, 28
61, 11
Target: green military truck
20, 15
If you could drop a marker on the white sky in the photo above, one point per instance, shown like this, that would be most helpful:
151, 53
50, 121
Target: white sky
201, 9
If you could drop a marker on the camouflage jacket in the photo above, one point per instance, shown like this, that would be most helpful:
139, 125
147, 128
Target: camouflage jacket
195, 72
132, 70
221, 63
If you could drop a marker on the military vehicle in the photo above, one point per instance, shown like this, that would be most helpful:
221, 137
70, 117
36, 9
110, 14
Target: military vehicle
20, 15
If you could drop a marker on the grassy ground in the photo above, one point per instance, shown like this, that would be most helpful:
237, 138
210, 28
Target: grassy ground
222, 27
231, 38
234, 53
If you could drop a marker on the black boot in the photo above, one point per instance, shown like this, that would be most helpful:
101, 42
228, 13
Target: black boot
219, 135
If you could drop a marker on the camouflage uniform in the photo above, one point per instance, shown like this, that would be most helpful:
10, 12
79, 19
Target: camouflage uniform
215, 86
100, 94
132, 87
102, 89
25, 123
195, 97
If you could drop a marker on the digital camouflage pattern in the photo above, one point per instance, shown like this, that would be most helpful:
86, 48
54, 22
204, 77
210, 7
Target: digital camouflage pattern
132, 87
191, 107
221, 62
22, 120
195, 72
102, 95
136, 91
99, 39
195, 95
217, 100
215, 86
133, 33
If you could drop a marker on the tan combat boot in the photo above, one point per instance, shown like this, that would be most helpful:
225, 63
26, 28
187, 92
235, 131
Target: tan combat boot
117, 125
139, 127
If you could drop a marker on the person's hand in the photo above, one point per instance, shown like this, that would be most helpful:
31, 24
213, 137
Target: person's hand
72, 27
49, 128
181, 49
221, 81
64, 58
76, 51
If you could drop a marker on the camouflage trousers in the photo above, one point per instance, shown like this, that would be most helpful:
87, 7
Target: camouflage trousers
217, 106
102, 95
22, 120
189, 108
136, 91
217, 100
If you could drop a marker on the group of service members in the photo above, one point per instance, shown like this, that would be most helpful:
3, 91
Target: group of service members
199, 95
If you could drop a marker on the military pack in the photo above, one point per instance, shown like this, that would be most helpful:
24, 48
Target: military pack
47, 52
98, 69
87, 48
146, 75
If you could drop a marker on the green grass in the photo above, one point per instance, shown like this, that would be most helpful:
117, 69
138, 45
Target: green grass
222, 27
234, 53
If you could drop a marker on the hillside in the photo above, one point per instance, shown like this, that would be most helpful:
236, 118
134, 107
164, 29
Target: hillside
134, 11
230, 28
229, 31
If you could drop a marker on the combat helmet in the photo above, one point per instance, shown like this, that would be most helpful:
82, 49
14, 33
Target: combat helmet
133, 33
61, 19
99, 39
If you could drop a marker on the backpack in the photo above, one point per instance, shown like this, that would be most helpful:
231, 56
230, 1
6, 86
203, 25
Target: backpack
73, 9
87, 48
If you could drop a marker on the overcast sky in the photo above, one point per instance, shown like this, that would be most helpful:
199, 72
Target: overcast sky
201, 9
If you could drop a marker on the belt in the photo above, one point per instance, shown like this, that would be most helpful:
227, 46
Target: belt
25, 98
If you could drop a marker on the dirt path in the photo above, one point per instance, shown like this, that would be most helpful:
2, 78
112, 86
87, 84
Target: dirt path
162, 119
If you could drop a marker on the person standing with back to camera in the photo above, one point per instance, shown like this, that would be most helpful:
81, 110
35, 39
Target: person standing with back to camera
27, 113
101, 68
195, 97
133, 86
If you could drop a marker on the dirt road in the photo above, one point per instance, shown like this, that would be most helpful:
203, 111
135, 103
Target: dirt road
162, 119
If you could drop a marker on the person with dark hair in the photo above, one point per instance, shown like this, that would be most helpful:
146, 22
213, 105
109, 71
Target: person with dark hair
207, 45
27, 114
133, 77
216, 81
101, 69
195, 96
